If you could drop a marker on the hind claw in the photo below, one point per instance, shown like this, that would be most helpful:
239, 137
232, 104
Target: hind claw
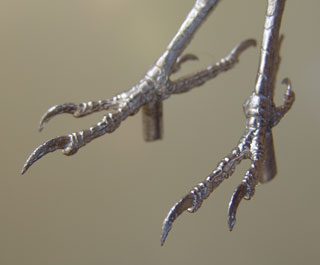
182, 59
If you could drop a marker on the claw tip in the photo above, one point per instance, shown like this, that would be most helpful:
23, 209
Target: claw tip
165, 230
43, 122
231, 222
24, 169
27, 164
252, 42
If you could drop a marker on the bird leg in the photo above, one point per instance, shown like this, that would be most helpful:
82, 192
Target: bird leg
256, 143
148, 93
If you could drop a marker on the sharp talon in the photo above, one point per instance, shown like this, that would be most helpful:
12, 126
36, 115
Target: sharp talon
287, 82
238, 195
288, 99
243, 46
175, 211
289, 94
55, 110
183, 59
187, 57
49, 146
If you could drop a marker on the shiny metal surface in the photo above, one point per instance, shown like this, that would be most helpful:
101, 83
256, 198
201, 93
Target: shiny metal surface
261, 113
153, 88
256, 143
106, 204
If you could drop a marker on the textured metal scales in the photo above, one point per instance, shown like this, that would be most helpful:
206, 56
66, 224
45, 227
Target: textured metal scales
256, 143
148, 93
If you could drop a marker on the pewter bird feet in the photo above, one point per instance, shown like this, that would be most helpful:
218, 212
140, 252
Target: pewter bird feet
148, 90
256, 144
87, 108
247, 188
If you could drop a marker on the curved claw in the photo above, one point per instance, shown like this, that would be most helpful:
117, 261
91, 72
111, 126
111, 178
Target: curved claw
183, 59
238, 195
181, 206
286, 81
77, 111
187, 57
288, 99
55, 110
289, 95
243, 46
50, 146
188, 82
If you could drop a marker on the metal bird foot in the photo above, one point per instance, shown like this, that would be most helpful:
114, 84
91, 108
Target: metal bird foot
256, 143
261, 113
147, 94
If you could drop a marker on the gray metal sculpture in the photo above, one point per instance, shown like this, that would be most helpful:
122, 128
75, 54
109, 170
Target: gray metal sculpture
256, 143
149, 93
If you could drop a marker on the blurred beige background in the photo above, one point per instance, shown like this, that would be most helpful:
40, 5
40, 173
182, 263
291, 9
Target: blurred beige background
106, 204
